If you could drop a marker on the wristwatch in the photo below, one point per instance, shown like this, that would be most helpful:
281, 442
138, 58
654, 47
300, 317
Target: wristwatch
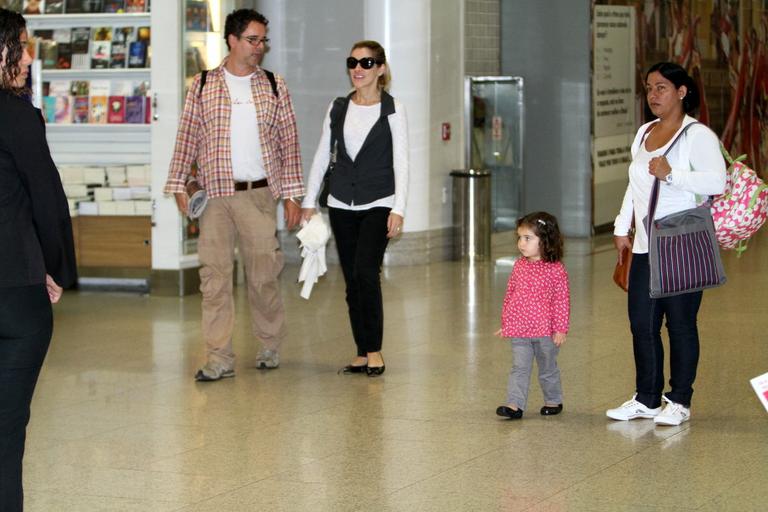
668, 178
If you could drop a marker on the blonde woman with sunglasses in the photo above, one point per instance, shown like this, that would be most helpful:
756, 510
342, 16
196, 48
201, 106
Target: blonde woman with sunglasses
368, 133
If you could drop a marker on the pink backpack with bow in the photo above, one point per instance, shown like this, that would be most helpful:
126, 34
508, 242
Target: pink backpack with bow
743, 208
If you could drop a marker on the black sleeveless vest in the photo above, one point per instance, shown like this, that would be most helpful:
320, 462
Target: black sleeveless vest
370, 176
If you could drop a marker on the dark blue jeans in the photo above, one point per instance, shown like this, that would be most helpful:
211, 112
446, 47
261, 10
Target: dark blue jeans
26, 325
361, 239
645, 318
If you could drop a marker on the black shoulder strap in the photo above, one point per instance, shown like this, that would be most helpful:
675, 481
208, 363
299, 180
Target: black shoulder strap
203, 77
337, 109
270, 77
272, 81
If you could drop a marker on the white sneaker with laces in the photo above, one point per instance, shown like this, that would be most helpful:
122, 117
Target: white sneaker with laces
632, 409
673, 414
267, 360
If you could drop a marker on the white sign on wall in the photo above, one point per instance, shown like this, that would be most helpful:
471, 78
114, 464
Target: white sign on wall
613, 111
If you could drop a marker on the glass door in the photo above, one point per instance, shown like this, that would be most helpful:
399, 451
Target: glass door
494, 121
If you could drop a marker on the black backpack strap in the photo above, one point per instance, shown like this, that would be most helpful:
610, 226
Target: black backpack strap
270, 77
272, 81
203, 78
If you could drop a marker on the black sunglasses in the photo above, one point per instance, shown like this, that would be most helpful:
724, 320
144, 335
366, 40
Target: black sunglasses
365, 62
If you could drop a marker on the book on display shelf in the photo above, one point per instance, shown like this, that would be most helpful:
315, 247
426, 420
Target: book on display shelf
80, 110
80, 87
100, 54
136, 6
116, 114
118, 57
123, 34
63, 38
98, 109
62, 109
84, 6
49, 53
54, 7
134, 109
81, 57
49, 109
114, 6
33, 7
137, 54
144, 34
101, 33
12, 5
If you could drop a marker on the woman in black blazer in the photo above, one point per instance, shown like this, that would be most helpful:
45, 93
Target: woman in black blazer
37, 257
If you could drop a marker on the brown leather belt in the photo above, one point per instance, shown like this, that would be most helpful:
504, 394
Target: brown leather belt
247, 185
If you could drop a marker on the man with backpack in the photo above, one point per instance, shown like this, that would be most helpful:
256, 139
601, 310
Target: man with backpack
239, 127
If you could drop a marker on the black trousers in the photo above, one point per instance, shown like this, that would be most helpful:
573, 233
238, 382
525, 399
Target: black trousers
645, 317
26, 325
361, 239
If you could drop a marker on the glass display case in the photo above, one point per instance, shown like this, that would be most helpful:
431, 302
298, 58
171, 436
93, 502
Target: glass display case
494, 120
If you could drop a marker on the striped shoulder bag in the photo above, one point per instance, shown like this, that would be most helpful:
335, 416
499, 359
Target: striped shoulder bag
683, 250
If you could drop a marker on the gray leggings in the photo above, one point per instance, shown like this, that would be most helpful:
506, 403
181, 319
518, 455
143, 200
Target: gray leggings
523, 351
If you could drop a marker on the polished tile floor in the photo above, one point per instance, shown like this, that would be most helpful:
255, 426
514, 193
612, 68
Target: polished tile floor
118, 423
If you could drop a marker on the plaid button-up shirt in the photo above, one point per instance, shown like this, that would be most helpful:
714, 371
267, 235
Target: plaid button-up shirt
204, 137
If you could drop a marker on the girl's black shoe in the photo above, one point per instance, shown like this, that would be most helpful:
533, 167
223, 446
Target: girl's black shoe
508, 412
548, 410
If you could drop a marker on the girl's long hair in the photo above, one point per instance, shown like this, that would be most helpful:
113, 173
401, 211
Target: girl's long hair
544, 225
12, 24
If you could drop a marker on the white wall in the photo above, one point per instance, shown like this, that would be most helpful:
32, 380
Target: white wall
423, 39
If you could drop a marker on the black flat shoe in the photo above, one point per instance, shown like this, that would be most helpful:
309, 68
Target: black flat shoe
548, 410
350, 368
374, 371
507, 412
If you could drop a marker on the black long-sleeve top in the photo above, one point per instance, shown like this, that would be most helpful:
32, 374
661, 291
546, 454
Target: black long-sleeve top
35, 227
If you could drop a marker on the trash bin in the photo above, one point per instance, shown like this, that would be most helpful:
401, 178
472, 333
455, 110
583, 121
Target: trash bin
472, 214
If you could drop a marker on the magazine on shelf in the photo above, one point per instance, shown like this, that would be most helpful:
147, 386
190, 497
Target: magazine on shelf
63, 110
11, 5
98, 109
114, 6
61, 91
137, 54
99, 95
100, 54
34, 7
101, 33
197, 16
84, 6
119, 55
134, 109
43, 33
144, 34
63, 38
49, 109
79, 87
116, 113
81, 57
135, 6
54, 6
123, 34
80, 110
49, 53
122, 87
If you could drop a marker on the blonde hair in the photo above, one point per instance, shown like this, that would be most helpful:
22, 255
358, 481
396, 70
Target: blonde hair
380, 56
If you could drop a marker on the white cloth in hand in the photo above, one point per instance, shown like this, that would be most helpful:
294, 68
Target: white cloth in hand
314, 236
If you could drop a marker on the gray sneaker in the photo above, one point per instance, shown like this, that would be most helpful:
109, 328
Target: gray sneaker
213, 371
267, 360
